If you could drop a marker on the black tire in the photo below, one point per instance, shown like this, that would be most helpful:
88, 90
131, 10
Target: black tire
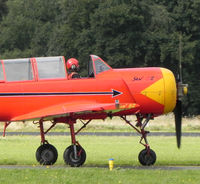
146, 158
70, 159
46, 154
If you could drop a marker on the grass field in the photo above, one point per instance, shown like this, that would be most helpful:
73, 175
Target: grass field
20, 150
98, 176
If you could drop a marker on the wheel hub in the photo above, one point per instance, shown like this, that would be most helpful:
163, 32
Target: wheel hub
47, 155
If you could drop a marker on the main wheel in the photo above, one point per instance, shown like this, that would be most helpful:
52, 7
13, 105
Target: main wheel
147, 158
70, 159
46, 154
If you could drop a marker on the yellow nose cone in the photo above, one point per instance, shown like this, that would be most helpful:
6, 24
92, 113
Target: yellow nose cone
170, 91
185, 90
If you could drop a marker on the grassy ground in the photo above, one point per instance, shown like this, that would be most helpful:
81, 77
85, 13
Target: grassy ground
98, 176
20, 150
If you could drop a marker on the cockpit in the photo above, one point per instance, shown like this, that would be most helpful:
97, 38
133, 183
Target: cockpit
44, 68
31, 69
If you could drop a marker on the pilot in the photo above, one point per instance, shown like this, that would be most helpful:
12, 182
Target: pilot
72, 68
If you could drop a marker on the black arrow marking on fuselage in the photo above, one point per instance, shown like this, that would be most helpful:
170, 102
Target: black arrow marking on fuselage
114, 93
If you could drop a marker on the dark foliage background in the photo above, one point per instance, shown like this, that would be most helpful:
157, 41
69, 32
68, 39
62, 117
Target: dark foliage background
125, 33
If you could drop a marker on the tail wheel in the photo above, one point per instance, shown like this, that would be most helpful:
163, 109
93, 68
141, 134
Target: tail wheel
46, 154
147, 157
74, 160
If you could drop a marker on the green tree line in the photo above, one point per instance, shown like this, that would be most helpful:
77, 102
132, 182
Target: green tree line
125, 33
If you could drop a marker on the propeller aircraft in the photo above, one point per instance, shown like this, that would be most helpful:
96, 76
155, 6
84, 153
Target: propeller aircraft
38, 89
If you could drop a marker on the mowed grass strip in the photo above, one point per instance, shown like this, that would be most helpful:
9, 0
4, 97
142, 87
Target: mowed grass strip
98, 176
20, 150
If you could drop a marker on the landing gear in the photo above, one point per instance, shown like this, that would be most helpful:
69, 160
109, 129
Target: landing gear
47, 154
147, 156
74, 156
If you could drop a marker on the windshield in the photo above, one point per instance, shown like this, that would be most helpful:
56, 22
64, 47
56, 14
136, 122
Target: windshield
100, 66
90, 68
97, 65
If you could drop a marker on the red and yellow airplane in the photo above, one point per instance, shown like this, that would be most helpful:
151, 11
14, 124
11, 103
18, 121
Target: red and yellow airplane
38, 89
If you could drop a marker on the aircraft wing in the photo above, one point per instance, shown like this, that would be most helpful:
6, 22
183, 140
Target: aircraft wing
76, 107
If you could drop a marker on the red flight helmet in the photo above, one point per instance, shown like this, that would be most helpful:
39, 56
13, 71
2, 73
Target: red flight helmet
72, 64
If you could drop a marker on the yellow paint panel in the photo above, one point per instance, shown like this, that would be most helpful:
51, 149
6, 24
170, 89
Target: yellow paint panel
163, 91
155, 91
170, 90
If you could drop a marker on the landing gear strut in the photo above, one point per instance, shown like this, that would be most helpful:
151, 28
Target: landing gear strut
147, 156
47, 154
74, 155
